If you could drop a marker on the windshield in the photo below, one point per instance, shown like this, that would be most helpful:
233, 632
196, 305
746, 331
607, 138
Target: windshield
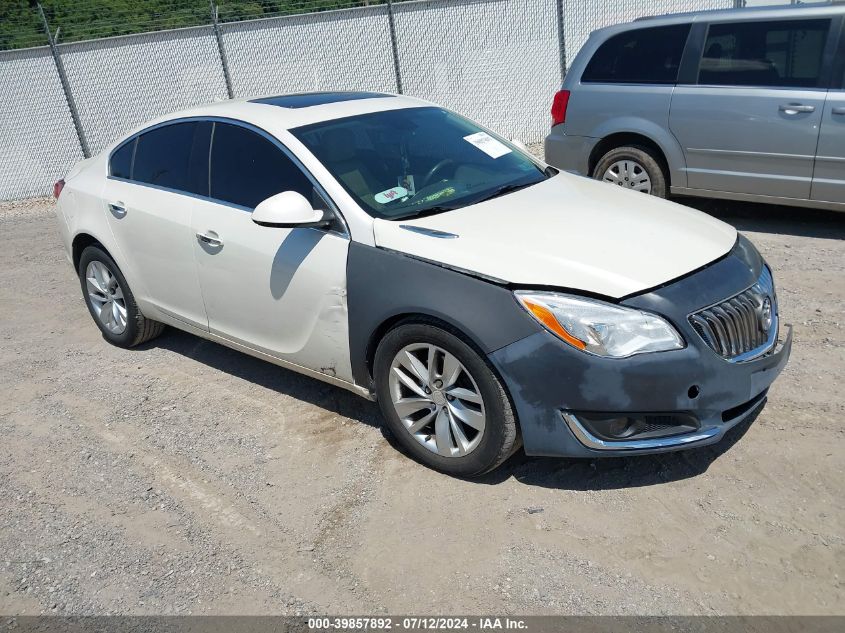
406, 163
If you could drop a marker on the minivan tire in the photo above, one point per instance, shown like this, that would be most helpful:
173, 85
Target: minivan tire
500, 437
643, 157
139, 329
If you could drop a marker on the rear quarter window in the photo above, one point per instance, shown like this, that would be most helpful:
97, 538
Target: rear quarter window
121, 161
640, 56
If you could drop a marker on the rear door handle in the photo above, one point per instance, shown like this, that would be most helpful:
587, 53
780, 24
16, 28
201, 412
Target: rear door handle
118, 208
795, 108
209, 239
838, 111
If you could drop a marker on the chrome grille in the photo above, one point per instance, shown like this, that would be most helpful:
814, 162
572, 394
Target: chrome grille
735, 328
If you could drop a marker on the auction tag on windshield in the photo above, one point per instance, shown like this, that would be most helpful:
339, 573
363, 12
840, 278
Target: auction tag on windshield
487, 144
389, 195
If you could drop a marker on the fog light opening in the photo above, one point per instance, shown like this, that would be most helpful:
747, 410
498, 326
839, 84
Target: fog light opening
693, 392
619, 427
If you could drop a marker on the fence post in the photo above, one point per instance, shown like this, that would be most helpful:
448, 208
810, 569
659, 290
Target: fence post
222, 50
561, 39
60, 67
394, 46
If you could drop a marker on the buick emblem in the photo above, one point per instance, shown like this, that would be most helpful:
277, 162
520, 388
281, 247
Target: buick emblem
766, 315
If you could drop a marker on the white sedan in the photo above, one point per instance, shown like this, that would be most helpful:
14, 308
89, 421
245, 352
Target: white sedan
394, 248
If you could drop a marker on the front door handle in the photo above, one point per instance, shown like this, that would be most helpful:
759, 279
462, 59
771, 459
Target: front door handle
795, 108
838, 111
209, 239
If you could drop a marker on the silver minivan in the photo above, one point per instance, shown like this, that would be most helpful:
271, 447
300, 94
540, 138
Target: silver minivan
742, 104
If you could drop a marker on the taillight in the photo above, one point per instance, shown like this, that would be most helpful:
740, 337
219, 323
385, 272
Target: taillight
57, 188
559, 106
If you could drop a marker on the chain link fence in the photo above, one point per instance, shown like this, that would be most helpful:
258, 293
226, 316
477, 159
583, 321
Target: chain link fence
496, 61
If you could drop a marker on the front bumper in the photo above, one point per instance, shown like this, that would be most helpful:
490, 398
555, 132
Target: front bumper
551, 383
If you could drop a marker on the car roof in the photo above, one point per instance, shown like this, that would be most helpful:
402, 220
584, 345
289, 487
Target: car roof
278, 113
815, 9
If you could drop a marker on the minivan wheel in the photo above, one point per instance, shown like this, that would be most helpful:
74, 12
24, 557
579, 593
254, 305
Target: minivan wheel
111, 302
634, 168
442, 402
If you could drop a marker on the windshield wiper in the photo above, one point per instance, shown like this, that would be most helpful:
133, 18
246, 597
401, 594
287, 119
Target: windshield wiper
501, 191
428, 211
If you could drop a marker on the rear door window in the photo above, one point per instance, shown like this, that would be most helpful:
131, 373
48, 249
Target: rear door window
779, 54
173, 156
121, 161
247, 168
642, 56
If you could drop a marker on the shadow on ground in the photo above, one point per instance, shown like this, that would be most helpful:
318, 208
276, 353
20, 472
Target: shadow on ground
611, 473
568, 474
767, 218
269, 376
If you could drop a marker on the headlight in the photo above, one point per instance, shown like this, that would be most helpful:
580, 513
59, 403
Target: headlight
600, 328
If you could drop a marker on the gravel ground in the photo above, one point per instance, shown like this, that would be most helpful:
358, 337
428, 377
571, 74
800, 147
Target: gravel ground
182, 477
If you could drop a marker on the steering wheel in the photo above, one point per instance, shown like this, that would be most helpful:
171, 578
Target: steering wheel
434, 170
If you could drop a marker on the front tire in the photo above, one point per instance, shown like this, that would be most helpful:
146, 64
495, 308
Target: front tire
111, 302
442, 401
634, 168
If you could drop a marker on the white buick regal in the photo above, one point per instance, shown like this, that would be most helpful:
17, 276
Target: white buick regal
396, 249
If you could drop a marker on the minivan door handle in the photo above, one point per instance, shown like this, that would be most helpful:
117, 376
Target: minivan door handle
838, 111
795, 108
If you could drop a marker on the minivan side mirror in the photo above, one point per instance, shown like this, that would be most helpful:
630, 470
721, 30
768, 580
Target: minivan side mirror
288, 209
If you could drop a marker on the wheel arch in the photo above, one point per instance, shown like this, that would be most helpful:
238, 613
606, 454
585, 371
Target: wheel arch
80, 242
621, 139
391, 323
398, 320
386, 287
647, 134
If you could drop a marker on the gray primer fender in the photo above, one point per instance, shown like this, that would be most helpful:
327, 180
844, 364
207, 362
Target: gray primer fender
384, 284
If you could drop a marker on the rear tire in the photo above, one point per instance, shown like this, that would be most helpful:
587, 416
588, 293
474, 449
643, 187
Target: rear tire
632, 167
448, 410
111, 302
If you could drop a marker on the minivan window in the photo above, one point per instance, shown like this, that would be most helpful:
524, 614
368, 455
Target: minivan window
779, 54
247, 168
163, 156
121, 161
839, 63
642, 56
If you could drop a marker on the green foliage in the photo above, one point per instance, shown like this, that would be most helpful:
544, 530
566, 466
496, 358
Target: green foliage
20, 23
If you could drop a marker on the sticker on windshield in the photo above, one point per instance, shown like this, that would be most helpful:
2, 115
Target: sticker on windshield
389, 195
487, 144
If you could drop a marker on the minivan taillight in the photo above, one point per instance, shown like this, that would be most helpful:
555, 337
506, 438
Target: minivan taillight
559, 106
57, 188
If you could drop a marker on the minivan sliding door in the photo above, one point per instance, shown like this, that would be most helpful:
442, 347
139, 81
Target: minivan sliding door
750, 122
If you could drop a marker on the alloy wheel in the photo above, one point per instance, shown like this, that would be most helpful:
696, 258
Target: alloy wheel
437, 400
629, 174
106, 297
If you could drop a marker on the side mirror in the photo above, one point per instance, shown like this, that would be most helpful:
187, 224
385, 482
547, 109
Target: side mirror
288, 209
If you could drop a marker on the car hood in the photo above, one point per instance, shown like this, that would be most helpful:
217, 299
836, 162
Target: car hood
567, 232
